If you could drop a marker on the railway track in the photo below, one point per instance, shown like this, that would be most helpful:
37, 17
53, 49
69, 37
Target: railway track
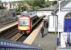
6, 23
9, 32
13, 34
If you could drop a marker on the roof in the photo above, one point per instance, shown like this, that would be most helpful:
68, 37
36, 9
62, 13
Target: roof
47, 8
66, 6
63, 4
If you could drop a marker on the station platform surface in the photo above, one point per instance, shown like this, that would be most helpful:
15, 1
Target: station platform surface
48, 42
67, 48
8, 26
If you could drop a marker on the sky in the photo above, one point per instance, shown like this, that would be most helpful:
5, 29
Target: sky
9, 0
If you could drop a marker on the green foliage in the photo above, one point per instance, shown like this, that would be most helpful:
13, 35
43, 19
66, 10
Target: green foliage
55, 2
34, 8
30, 2
39, 3
35, 4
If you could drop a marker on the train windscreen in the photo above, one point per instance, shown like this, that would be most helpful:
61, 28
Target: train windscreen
24, 22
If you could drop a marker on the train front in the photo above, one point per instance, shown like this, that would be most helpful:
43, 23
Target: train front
24, 25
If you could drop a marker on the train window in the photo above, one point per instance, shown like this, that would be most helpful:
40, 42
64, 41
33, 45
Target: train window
24, 22
68, 15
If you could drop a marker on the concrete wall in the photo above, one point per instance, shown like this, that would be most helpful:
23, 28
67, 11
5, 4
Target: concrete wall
6, 16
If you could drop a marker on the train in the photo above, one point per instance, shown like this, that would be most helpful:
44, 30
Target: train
27, 22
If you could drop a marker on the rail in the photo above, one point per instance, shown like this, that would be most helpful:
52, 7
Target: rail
14, 35
11, 45
38, 21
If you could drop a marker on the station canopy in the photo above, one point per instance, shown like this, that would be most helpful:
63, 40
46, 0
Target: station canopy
66, 6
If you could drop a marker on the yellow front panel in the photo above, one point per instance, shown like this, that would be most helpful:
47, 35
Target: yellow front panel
23, 28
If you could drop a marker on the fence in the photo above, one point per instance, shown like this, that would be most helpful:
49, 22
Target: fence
10, 45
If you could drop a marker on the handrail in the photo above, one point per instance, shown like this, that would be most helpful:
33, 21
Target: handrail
11, 45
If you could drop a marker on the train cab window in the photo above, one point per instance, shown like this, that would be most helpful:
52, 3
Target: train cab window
24, 22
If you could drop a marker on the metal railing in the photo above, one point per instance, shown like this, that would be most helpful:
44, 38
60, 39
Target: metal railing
11, 45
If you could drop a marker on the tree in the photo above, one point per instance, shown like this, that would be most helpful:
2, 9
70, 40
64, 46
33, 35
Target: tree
35, 4
38, 3
1, 5
30, 2
55, 2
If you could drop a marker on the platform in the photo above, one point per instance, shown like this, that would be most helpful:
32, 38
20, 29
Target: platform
8, 26
48, 42
67, 48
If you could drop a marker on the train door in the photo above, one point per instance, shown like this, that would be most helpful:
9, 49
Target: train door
53, 20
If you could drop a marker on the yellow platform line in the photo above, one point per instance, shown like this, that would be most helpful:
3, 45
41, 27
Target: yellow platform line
30, 39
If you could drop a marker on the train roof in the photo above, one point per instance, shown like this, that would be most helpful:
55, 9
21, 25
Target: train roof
64, 6
29, 14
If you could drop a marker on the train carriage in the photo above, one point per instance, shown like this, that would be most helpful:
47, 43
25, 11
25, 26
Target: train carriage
26, 22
